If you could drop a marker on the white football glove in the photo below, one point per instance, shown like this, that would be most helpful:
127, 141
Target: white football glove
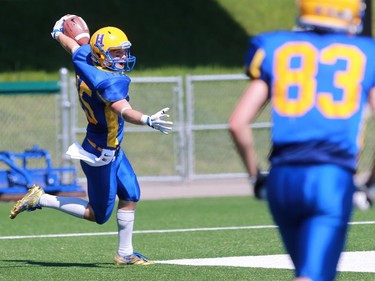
76, 151
58, 28
157, 122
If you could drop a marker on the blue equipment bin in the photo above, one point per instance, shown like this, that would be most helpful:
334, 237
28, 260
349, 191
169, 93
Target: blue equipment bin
33, 166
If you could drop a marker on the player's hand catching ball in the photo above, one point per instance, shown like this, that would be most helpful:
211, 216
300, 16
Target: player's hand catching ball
74, 27
58, 28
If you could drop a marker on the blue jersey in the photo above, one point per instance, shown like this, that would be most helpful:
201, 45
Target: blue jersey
98, 88
318, 88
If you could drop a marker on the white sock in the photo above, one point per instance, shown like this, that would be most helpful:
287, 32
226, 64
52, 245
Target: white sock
125, 223
70, 205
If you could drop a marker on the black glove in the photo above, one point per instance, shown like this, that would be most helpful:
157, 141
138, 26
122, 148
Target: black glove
259, 184
364, 195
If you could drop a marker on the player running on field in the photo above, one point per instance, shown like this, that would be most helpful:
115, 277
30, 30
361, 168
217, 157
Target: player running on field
318, 81
103, 93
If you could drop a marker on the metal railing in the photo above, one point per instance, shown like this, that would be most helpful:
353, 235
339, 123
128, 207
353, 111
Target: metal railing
199, 146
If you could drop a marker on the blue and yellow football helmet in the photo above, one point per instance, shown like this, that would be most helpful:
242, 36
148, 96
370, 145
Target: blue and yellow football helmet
110, 49
332, 15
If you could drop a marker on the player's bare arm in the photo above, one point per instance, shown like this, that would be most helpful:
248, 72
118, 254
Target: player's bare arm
125, 110
69, 44
371, 100
156, 121
254, 97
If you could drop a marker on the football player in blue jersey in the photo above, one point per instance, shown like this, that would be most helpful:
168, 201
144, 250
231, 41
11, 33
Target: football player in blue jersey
318, 82
102, 85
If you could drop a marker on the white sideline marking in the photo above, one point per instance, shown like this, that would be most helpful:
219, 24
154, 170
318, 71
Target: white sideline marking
154, 231
137, 232
363, 261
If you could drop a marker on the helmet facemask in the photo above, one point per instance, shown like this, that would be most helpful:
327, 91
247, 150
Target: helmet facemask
118, 58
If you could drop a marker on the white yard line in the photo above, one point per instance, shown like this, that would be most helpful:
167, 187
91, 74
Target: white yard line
137, 232
363, 261
155, 231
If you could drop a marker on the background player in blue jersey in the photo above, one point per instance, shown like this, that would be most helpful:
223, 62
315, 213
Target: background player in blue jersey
318, 82
103, 93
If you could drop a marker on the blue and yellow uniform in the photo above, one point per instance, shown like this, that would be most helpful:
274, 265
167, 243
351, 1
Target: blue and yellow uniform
318, 88
97, 89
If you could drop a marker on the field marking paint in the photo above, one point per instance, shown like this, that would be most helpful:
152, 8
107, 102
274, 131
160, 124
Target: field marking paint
137, 232
362, 261
154, 231
361, 222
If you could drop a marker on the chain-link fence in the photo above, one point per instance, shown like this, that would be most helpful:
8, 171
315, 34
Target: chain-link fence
31, 116
199, 146
210, 100
154, 156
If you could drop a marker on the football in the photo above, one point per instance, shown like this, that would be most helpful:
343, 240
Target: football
76, 28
